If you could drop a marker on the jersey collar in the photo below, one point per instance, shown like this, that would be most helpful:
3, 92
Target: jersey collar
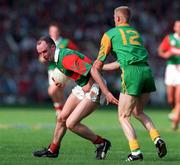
58, 40
56, 55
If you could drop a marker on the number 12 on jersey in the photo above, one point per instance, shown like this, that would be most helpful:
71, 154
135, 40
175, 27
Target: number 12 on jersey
130, 37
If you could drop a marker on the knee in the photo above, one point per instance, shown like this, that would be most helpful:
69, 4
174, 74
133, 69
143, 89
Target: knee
70, 125
170, 100
137, 114
61, 119
123, 117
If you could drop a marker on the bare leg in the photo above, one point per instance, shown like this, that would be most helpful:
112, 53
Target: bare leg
83, 109
176, 118
148, 124
60, 128
140, 115
57, 96
126, 105
125, 108
171, 95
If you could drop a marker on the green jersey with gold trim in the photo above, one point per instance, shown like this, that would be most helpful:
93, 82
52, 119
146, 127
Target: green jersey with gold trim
125, 44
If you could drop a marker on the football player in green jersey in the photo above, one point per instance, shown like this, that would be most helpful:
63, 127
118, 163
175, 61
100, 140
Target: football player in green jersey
170, 49
81, 102
125, 44
57, 93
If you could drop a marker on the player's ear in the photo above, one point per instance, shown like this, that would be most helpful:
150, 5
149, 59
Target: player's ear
53, 46
118, 19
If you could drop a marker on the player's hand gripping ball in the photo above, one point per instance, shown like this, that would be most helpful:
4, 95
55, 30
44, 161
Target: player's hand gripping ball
59, 78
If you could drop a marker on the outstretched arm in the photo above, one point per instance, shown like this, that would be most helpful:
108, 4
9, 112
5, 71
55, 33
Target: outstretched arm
98, 78
111, 66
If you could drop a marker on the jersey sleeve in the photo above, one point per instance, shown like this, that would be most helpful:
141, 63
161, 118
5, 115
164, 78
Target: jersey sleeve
74, 63
165, 45
104, 48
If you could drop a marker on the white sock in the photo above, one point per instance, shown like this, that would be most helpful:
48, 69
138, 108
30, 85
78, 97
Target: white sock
136, 152
155, 141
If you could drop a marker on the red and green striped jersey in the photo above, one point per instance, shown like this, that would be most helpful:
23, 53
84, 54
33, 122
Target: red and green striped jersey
62, 43
125, 44
74, 65
172, 42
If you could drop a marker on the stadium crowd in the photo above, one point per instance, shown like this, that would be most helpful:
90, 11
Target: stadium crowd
23, 79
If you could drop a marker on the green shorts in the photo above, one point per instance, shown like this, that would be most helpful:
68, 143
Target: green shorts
137, 79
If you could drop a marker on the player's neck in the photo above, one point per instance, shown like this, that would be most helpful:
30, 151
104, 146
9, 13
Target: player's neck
122, 24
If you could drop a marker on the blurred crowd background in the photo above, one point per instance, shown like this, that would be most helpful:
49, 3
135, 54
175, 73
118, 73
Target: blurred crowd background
24, 80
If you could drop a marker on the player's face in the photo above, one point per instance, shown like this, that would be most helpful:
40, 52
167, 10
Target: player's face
54, 32
177, 27
45, 51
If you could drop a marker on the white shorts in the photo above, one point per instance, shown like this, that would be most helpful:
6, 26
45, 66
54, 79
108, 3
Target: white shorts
94, 94
172, 75
50, 73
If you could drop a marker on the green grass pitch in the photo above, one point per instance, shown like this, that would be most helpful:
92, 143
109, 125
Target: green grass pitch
26, 129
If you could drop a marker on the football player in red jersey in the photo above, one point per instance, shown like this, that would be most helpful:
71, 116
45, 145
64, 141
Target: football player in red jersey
81, 102
169, 49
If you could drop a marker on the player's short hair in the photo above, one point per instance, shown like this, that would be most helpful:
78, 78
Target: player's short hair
47, 39
56, 25
124, 11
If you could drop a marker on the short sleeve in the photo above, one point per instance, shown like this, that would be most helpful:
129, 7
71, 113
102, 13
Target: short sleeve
104, 48
76, 64
165, 45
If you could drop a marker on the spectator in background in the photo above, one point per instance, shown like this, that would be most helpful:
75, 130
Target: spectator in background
23, 21
169, 49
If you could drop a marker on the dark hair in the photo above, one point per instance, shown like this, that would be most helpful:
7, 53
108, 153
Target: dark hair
47, 39
54, 24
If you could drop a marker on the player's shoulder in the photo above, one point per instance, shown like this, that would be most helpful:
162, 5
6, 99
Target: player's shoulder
68, 51
111, 32
167, 37
64, 39
171, 35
